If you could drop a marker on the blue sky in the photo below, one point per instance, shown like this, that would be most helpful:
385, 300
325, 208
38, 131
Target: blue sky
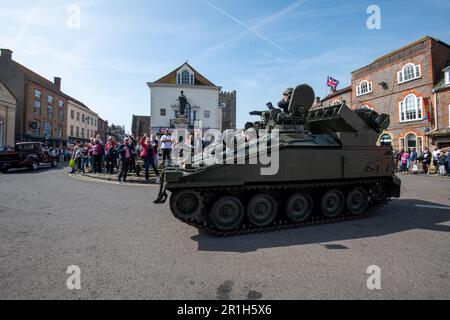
255, 47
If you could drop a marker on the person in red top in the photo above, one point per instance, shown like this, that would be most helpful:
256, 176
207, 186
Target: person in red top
148, 157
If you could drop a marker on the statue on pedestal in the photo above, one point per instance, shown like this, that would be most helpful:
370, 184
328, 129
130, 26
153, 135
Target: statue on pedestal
183, 102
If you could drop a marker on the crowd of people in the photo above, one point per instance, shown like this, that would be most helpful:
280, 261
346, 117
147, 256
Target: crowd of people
408, 160
121, 157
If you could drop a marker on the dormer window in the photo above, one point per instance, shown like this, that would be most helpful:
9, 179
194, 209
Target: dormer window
365, 87
447, 77
409, 72
185, 77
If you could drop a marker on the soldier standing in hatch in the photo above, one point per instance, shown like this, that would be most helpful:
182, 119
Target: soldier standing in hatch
284, 103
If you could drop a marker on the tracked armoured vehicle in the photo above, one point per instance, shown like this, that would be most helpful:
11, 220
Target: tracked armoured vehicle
330, 169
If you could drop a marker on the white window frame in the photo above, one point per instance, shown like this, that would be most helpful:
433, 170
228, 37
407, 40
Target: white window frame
359, 88
418, 109
449, 115
336, 102
417, 73
447, 77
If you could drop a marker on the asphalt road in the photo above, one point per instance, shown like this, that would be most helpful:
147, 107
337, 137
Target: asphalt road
127, 247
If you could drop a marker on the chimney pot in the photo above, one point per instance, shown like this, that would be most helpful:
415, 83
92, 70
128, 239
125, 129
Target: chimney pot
57, 82
6, 54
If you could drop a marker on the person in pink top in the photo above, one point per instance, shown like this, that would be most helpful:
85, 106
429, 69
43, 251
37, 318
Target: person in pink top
405, 158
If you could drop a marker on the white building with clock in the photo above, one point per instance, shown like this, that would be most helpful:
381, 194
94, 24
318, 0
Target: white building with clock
203, 101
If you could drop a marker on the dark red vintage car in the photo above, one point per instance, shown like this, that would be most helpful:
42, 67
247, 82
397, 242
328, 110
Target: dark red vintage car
29, 155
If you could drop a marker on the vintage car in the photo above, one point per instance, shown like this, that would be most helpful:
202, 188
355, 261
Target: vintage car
29, 155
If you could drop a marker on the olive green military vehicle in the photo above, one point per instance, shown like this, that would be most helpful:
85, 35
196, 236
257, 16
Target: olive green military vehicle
331, 168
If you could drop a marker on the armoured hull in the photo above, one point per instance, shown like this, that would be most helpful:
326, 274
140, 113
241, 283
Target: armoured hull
326, 167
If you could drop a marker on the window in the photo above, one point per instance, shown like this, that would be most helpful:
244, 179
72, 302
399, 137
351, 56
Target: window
336, 102
72, 114
409, 72
37, 107
95, 122
49, 113
60, 114
61, 103
447, 77
78, 132
82, 132
419, 144
411, 141
386, 139
37, 93
60, 131
50, 99
78, 116
185, 78
207, 114
411, 108
48, 129
364, 87
71, 131
82, 117
194, 115
87, 133
163, 112
37, 130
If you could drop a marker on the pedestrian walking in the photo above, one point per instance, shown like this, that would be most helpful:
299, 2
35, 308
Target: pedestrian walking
147, 155
398, 160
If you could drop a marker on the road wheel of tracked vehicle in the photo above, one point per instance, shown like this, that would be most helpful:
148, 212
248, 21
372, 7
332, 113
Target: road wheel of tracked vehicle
186, 204
227, 213
357, 201
332, 203
262, 210
379, 192
299, 207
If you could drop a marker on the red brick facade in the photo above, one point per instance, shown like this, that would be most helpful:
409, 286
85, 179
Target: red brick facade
55, 120
407, 97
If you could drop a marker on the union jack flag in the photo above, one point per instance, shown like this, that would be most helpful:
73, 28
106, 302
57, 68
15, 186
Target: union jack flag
333, 83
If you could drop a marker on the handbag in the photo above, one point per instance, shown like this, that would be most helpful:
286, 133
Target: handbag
144, 153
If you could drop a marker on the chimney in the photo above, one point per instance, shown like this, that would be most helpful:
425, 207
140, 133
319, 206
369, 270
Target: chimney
6, 54
317, 100
57, 82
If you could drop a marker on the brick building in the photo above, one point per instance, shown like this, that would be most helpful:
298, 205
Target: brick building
140, 125
441, 134
41, 106
401, 84
228, 102
337, 97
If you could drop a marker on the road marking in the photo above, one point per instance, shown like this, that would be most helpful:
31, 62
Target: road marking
432, 207
104, 181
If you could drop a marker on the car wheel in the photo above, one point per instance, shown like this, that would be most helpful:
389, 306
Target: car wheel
34, 166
